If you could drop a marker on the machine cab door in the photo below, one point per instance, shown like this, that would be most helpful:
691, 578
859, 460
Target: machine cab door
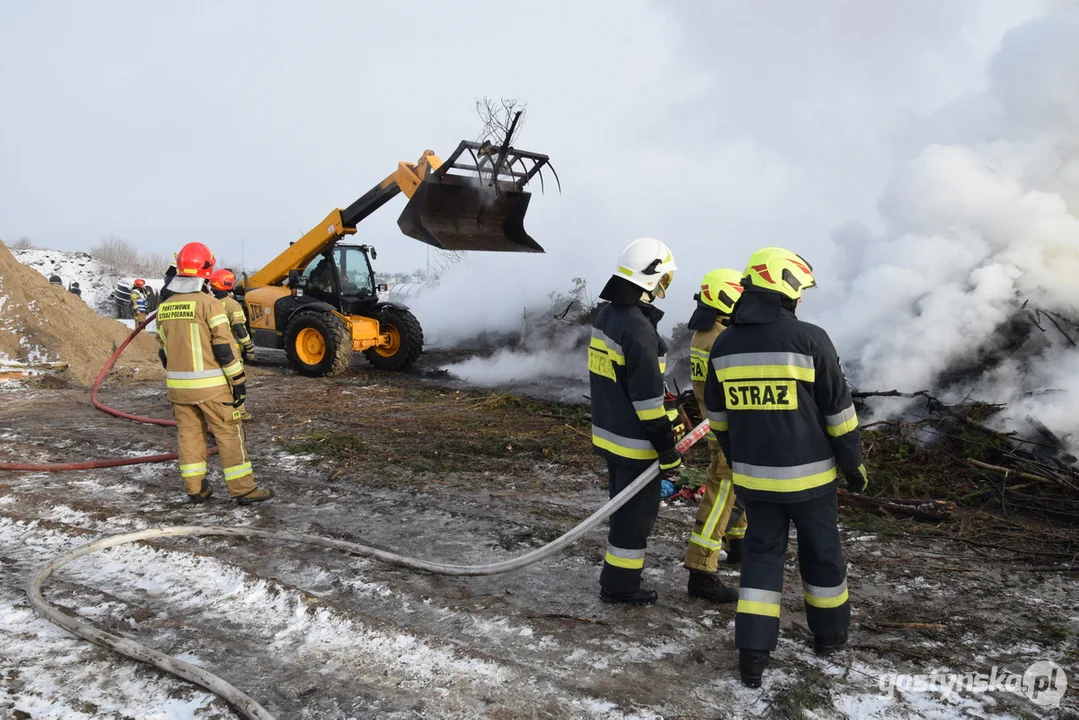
342, 277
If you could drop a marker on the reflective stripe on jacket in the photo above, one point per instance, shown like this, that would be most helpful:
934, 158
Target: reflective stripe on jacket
779, 405
189, 326
138, 300
237, 322
626, 361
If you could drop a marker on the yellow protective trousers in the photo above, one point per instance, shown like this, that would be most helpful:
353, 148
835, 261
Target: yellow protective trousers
223, 420
716, 517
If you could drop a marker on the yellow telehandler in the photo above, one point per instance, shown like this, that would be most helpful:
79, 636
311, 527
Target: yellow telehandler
318, 301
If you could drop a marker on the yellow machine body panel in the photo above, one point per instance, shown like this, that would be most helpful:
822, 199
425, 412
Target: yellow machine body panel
260, 305
366, 332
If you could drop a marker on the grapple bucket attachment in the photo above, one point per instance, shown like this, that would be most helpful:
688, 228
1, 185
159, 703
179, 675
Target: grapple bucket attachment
455, 215
482, 208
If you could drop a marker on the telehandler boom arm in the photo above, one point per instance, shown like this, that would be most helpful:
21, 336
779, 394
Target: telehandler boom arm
481, 210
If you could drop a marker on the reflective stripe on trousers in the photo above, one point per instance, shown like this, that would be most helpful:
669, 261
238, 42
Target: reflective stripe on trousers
236, 471
825, 597
625, 558
753, 601
704, 538
193, 469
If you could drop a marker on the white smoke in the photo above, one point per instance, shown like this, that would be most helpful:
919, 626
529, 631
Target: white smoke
777, 131
982, 219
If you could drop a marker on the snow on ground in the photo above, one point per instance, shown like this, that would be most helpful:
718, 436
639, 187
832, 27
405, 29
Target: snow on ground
312, 633
49, 674
152, 327
96, 280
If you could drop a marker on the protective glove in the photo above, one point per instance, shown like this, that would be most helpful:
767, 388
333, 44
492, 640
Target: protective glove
239, 394
247, 353
670, 464
858, 483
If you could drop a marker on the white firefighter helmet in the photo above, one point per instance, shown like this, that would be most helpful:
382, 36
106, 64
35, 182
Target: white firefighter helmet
648, 264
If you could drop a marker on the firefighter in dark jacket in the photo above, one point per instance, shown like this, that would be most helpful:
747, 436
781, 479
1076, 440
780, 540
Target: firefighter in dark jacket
779, 406
630, 426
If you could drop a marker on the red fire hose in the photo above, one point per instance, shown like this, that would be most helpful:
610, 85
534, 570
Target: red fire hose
116, 462
105, 371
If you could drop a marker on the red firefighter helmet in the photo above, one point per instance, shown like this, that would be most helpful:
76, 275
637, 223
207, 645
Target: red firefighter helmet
223, 279
140, 283
195, 260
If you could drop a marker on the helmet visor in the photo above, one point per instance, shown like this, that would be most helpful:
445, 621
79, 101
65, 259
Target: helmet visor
663, 284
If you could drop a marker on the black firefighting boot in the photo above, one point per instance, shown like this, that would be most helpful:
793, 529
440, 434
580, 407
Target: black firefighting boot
707, 586
828, 644
734, 552
751, 665
256, 495
640, 596
202, 495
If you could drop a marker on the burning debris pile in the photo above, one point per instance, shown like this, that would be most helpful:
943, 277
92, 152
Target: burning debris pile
969, 289
548, 346
976, 483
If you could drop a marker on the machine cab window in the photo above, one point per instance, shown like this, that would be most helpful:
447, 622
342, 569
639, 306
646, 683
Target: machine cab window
345, 270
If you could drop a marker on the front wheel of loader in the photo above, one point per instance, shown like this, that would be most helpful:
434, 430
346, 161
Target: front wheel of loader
318, 344
406, 340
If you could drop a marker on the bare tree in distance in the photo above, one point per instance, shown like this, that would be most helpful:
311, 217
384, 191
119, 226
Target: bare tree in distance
125, 257
23, 243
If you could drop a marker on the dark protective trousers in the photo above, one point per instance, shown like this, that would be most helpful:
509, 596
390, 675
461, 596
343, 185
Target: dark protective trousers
631, 525
820, 559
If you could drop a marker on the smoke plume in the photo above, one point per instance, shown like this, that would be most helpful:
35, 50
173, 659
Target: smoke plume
957, 277
980, 234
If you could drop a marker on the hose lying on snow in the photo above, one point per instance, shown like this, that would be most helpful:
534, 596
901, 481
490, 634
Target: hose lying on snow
240, 701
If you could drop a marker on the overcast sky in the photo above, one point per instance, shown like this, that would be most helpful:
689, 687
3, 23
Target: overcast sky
717, 126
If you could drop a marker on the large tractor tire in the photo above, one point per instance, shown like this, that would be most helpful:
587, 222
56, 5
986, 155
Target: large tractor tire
318, 344
406, 340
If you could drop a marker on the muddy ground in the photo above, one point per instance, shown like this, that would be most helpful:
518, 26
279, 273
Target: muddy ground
461, 476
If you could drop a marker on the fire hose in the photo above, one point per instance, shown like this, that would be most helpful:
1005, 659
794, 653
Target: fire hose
114, 462
236, 698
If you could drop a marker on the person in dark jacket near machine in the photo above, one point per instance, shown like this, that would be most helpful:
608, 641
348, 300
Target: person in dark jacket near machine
630, 425
170, 273
779, 406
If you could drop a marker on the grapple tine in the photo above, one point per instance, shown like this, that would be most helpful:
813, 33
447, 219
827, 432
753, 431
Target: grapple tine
557, 181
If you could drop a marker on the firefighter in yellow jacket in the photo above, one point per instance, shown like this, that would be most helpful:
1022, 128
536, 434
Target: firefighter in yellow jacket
717, 518
139, 305
222, 283
205, 380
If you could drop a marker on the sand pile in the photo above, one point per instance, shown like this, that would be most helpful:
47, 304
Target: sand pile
43, 323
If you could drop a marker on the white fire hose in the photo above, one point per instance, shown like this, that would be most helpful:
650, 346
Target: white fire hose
240, 701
